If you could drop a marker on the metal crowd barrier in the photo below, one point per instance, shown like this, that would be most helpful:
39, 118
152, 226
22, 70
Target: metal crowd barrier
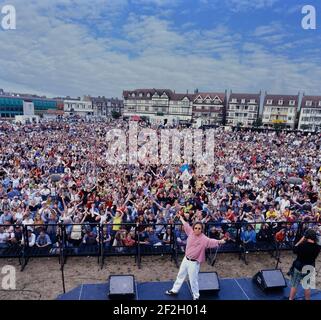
103, 241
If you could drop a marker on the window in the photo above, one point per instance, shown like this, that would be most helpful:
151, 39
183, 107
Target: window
319, 103
133, 95
269, 101
280, 102
292, 102
140, 94
208, 100
252, 101
148, 95
146, 108
243, 101
289, 118
308, 103
234, 100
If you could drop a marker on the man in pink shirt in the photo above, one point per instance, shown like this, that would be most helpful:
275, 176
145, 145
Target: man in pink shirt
196, 245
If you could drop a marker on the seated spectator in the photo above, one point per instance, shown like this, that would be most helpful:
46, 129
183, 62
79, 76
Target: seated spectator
17, 235
152, 238
129, 241
290, 237
248, 237
280, 237
265, 233
39, 223
4, 237
31, 238
106, 238
118, 242
167, 238
181, 238
43, 240
89, 238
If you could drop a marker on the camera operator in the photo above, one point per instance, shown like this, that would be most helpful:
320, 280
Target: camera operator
307, 251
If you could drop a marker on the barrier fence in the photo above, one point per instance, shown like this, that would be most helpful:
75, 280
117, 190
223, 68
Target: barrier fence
138, 240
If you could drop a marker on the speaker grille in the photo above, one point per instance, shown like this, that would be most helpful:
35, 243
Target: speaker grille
121, 285
208, 281
273, 278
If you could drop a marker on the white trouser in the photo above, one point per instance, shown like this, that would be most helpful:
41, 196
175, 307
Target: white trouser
191, 268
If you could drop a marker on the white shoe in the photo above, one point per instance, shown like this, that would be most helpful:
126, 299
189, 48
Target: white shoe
170, 293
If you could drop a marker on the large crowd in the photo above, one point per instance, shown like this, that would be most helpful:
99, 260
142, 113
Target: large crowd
57, 172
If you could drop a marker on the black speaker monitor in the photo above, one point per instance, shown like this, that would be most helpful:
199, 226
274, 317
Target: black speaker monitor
270, 279
121, 287
208, 282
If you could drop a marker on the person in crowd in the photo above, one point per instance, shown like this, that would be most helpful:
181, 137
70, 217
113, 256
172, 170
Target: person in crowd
307, 250
43, 240
248, 237
31, 238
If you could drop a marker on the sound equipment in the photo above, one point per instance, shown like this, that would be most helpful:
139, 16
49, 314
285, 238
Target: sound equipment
270, 279
208, 282
121, 287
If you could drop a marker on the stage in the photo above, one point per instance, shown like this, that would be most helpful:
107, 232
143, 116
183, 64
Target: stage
230, 289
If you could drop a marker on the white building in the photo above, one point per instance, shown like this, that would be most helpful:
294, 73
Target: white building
242, 109
208, 108
158, 105
280, 109
310, 113
78, 107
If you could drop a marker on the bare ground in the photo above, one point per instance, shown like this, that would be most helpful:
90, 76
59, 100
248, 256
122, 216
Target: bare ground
41, 278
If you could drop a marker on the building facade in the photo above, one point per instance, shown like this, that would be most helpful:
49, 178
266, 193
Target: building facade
280, 109
79, 107
209, 108
158, 105
242, 109
310, 114
106, 107
12, 105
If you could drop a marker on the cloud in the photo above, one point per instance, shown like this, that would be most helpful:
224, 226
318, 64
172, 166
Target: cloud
59, 52
241, 5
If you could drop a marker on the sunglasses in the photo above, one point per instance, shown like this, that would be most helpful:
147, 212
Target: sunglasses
197, 228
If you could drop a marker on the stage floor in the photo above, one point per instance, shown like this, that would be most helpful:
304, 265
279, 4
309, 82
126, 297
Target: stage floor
230, 289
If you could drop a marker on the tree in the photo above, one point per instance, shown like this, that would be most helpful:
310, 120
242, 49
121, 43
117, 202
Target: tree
258, 123
115, 114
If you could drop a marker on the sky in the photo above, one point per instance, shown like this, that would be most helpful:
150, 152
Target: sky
102, 47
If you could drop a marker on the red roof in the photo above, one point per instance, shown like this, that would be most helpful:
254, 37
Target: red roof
286, 99
316, 100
